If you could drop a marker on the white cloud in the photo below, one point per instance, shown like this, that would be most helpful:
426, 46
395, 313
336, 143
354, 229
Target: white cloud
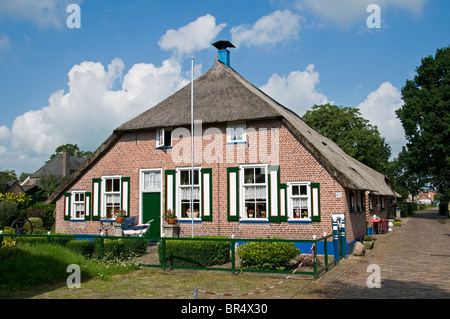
43, 13
194, 36
297, 91
379, 108
345, 13
269, 30
88, 113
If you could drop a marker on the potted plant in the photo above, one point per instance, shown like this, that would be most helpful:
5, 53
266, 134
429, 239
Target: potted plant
368, 242
120, 215
170, 217
250, 213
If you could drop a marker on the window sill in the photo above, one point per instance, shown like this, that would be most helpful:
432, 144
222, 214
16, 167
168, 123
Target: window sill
299, 221
256, 221
233, 143
163, 147
189, 220
77, 220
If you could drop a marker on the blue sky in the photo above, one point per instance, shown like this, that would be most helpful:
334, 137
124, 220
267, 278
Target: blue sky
76, 85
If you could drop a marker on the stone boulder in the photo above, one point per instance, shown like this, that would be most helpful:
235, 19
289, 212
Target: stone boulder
359, 249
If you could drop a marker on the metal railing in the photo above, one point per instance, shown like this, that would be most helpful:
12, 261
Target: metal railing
321, 262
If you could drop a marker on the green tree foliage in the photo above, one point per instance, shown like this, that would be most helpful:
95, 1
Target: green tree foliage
72, 148
425, 116
348, 129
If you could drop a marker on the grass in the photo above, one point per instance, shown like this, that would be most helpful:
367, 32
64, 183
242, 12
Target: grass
26, 266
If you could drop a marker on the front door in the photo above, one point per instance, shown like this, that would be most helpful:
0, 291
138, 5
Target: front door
151, 209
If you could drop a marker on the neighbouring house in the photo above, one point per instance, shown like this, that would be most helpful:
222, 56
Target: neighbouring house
60, 166
258, 170
13, 187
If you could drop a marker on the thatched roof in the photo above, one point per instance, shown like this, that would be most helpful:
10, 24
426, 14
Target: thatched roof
222, 95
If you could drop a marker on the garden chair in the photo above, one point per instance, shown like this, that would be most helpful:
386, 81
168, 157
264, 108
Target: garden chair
129, 228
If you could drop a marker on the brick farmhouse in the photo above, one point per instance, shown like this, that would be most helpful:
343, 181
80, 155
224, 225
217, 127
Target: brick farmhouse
258, 170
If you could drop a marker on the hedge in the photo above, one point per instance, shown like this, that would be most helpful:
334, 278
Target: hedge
267, 255
407, 208
196, 253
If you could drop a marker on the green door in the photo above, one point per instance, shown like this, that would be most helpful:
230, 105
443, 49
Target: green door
151, 209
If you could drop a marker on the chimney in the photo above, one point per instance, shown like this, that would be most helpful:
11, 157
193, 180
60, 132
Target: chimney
65, 163
223, 55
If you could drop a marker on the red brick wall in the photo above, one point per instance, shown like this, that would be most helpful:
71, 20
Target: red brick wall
135, 151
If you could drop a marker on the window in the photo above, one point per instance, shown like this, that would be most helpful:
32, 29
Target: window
78, 210
164, 138
111, 196
236, 133
187, 185
151, 181
254, 190
299, 200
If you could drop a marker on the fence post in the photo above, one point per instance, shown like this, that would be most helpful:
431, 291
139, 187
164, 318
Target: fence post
325, 247
163, 252
233, 256
315, 259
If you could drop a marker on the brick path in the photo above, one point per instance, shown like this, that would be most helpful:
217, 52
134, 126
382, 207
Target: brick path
414, 261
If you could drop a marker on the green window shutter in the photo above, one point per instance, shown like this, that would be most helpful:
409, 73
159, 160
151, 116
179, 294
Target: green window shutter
315, 202
87, 206
67, 197
233, 193
283, 203
206, 184
274, 193
96, 198
170, 190
125, 196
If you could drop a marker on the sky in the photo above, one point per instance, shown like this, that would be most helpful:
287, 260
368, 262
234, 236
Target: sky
71, 71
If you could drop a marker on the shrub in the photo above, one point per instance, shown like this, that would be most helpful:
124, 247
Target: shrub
267, 255
8, 212
117, 249
197, 253
37, 224
407, 208
443, 208
85, 248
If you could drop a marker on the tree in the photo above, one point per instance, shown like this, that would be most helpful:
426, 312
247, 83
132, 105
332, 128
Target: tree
425, 116
347, 128
72, 148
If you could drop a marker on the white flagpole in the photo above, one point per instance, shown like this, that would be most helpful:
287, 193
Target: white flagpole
191, 206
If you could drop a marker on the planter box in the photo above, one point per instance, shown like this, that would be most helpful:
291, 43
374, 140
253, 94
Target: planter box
368, 244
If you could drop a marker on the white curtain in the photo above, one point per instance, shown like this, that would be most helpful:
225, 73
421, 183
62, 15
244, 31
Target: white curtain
258, 192
152, 180
113, 199
185, 193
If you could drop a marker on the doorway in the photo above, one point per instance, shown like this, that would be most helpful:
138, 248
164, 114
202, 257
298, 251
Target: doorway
151, 209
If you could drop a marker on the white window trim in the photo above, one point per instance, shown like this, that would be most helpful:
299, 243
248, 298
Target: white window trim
150, 190
177, 192
160, 135
103, 188
230, 131
289, 195
242, 213
73, 203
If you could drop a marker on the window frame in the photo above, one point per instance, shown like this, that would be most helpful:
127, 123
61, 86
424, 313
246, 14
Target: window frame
74, 204
243, 184
178, 203
161, 139
290, 197
231, 132
104, 194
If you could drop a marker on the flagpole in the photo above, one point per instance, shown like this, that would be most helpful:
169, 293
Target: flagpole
191, 208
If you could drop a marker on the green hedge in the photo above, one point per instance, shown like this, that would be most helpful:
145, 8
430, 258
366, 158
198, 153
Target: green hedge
113, 249
443, 209
407, 208
267, 255
196, 253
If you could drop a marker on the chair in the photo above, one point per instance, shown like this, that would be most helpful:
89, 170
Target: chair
129, 228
